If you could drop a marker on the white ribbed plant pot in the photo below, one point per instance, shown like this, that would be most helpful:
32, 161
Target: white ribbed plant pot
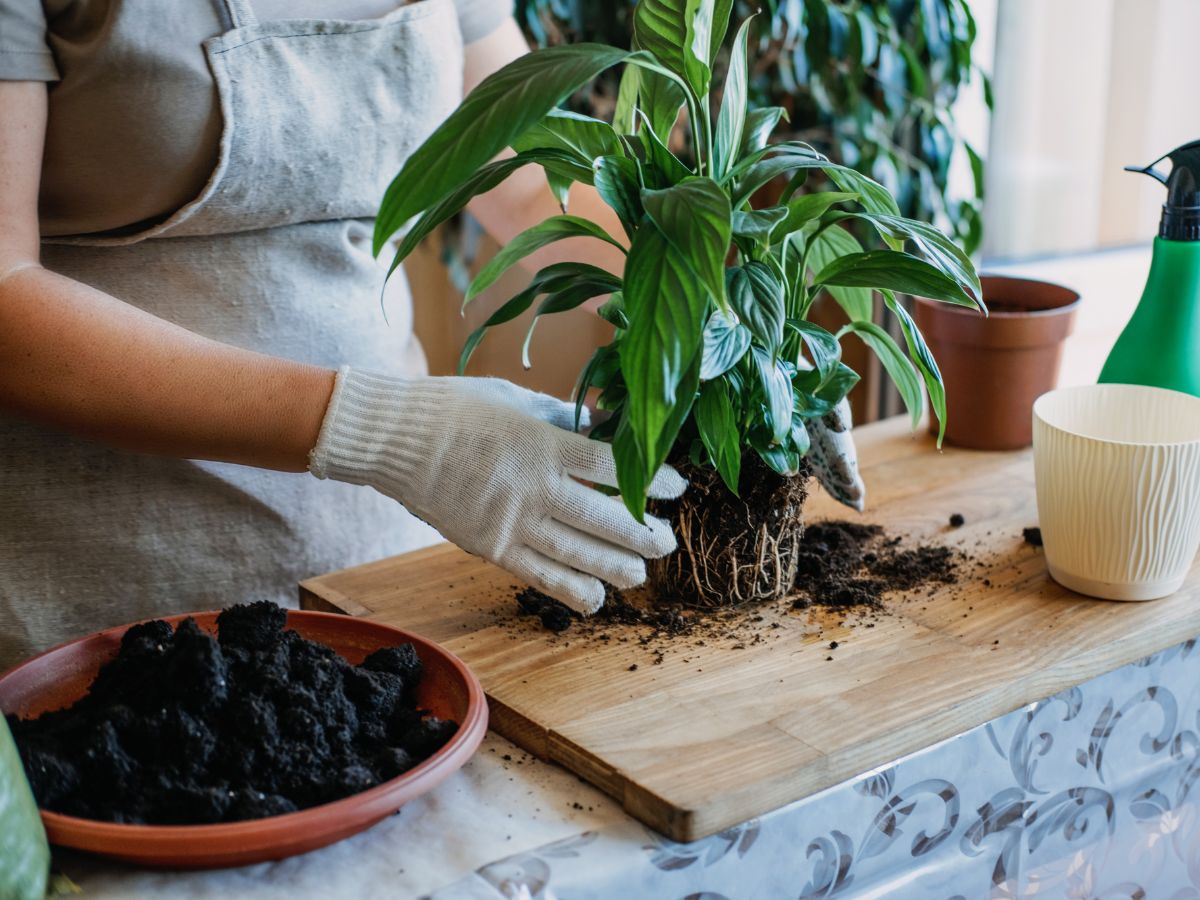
1118, 488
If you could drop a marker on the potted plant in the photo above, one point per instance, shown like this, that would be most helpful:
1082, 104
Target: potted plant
713, 364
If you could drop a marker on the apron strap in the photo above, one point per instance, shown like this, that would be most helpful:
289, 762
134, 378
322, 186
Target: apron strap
239, 14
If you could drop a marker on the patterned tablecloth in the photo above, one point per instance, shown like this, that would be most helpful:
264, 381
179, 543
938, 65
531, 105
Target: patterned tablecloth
1086, 794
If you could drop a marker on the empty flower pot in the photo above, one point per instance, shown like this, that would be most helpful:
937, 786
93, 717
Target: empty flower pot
1118, 488
994, 367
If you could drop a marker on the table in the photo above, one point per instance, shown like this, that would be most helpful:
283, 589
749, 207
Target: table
1088, 792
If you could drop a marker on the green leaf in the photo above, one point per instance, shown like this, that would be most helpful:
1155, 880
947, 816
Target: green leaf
722, 10
732, 119
756, 295
624, 120
603, 356
664, 164
934, 246
760, 123
718, 430
758, 224
777, 390
791, 157
665, 303
694, 217
804, 209
479, 182
679, 34
657, 96
616, 180
633, 478
726, 341
896, 363
613, 311
567, 298
503, 106
822, 346
583, 137
556, 228
921, 355
551, 278
832, 244
895, 271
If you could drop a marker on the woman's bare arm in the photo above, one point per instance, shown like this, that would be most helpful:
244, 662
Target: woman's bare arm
81, 361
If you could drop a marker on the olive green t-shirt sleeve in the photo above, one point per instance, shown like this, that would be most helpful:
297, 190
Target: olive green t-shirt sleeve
476, 18
24, 55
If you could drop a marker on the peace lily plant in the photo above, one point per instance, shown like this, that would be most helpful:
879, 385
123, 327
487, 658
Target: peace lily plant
714, 362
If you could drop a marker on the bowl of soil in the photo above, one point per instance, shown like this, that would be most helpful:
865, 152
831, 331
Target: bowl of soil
229, 738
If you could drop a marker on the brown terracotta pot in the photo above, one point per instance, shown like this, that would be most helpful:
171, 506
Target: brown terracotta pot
995, 367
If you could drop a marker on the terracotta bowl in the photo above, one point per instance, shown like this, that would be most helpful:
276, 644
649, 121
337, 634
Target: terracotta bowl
60, 676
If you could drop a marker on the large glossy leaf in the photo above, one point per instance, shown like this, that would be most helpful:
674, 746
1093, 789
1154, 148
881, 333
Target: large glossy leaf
777, 391
726, 341
556, 228
679, 33
731, 120
722, 10
503, 106
663, 168
832, 244
666, 303
616, 180
718, 430
933, 245
551, 278
756, 295
921, 355
760, 123
758, 224
907, 381
694, 218
570, 297
583, 137
789, 159
804, 209
895, 271
823, 347
479, 182
657, 96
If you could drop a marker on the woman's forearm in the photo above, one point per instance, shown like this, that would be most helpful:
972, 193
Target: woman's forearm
76, 359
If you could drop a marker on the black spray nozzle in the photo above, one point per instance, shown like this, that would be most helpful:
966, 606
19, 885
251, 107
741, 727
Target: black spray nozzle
1181, 213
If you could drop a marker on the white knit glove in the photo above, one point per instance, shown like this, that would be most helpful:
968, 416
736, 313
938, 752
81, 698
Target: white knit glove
492, 466
834, 457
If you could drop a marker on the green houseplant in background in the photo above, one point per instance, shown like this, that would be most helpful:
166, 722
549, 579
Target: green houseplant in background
869, 83
714, 363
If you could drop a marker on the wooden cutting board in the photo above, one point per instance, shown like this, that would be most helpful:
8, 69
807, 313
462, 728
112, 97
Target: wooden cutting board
713, 735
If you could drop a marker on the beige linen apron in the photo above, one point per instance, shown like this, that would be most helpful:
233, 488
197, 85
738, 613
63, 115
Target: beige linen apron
274, 255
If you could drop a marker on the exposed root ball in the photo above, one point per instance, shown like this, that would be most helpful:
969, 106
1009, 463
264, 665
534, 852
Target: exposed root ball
732, 550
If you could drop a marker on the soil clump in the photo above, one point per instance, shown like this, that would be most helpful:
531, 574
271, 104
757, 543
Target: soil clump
840, 566
184, 728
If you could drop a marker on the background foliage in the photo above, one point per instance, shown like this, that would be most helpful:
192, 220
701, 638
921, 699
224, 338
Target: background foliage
869, 83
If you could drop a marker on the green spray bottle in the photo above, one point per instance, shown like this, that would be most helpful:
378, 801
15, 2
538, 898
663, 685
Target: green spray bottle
1161, 344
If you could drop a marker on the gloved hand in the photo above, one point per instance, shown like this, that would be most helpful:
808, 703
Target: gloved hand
834, 457
490, 466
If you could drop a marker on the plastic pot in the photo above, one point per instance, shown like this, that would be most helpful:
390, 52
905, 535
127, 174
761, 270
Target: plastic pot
994, 367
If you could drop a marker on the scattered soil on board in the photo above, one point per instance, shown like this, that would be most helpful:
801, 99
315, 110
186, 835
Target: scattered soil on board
1032, 536
845, 571
183, 728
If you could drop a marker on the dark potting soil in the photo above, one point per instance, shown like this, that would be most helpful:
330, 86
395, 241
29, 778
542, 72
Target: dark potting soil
1032, 536
182, 728
957, 520
841, 565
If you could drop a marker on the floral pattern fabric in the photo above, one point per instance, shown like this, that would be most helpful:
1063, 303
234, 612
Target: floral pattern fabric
1090, 793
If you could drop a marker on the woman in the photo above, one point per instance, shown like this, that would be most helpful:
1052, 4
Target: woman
186, 193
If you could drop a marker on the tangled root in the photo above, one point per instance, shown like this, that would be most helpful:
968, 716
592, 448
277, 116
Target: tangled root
732, 550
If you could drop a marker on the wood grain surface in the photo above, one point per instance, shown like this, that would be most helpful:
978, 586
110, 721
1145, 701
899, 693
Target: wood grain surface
701, 736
